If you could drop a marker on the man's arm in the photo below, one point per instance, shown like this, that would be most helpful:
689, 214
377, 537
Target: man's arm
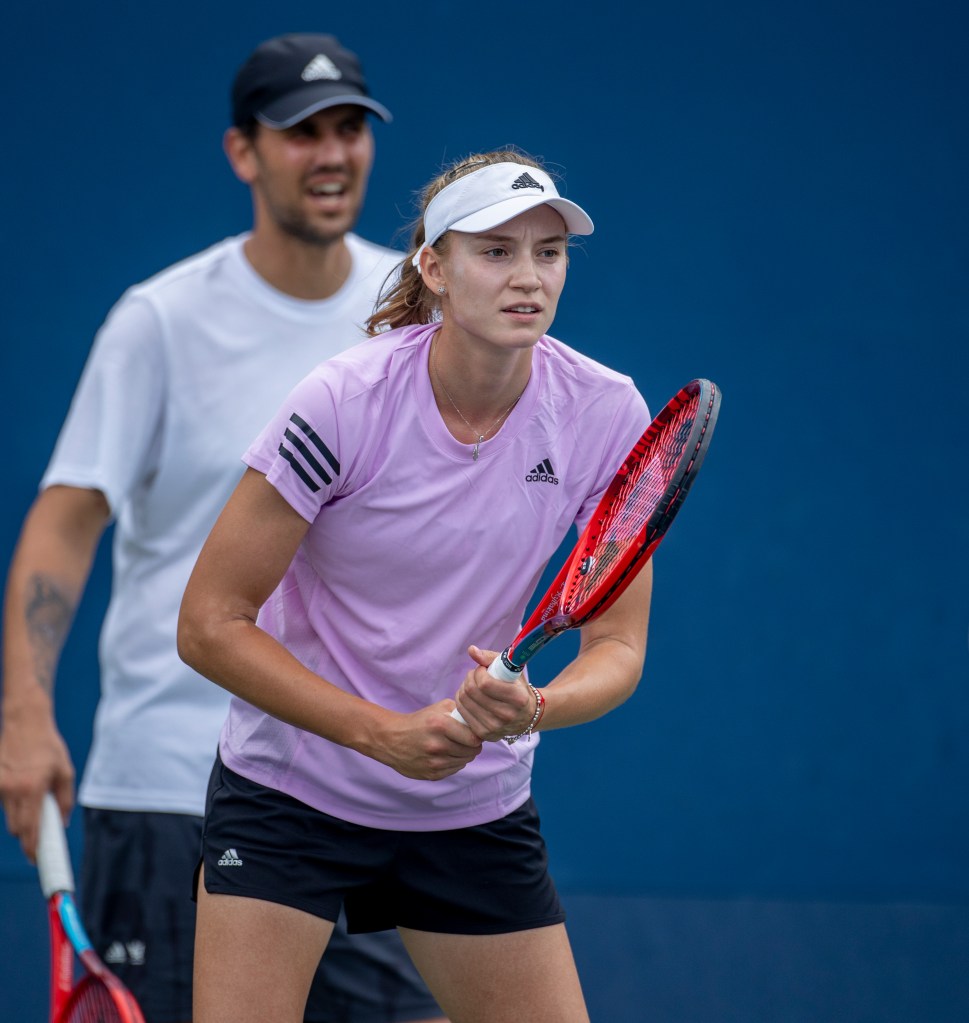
47, 576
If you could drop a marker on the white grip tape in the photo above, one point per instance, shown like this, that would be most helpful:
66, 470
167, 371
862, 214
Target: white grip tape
497, 669
53, 859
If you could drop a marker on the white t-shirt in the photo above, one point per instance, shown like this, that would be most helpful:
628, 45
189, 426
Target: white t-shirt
414, 551
186, 369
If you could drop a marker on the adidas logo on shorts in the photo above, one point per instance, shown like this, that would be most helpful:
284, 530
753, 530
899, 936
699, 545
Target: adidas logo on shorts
127, 953
230, 858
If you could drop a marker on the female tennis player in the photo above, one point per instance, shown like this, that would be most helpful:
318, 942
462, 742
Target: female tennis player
400, 507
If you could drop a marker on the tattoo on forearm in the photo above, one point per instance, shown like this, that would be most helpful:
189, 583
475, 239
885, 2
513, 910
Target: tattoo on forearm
48, 612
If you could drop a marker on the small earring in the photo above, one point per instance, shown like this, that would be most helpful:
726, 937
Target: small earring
442, 290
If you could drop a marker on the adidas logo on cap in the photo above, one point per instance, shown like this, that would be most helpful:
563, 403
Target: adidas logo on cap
542, 473
321, 67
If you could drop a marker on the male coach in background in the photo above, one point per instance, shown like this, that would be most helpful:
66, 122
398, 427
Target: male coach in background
185, 371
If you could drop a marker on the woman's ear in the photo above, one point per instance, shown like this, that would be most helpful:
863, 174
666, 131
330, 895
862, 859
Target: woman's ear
432, 271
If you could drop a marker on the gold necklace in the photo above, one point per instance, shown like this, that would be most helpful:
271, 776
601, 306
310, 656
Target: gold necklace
447, 393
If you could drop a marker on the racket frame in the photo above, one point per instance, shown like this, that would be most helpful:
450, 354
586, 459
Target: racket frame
549, 620
67, 935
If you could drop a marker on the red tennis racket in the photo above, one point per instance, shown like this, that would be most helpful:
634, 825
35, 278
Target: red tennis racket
98, 996
626, 527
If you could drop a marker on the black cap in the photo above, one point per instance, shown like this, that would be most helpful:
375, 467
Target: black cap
290, 77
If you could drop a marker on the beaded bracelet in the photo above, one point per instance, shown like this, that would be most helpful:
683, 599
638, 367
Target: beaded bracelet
536, 717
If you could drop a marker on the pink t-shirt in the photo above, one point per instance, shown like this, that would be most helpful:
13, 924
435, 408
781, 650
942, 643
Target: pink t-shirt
414, 552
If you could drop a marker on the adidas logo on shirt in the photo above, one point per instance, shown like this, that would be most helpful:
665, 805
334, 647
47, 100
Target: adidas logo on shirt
542, 473
320, 67
527, 181
230, 858
304, 441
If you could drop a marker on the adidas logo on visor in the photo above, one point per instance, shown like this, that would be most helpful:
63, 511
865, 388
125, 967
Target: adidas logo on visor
479, 201
527, 181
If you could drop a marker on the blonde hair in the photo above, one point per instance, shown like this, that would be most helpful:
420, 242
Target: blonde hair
405, 299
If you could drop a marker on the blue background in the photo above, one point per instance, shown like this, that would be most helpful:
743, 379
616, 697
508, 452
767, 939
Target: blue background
775, 827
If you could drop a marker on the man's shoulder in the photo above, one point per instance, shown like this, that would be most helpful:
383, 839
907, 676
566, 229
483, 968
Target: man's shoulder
370, 255
186, 272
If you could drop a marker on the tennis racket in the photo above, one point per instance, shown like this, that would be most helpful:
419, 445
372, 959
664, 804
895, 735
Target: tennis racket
99, 996
626, 527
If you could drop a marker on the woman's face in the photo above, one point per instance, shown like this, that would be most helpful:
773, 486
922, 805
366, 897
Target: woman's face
503, 286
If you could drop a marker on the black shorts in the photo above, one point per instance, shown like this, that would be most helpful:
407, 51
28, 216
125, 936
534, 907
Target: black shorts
132, 897
489, 879
135, 891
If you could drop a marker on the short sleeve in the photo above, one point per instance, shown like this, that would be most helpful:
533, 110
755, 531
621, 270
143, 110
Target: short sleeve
301, 450
111, 436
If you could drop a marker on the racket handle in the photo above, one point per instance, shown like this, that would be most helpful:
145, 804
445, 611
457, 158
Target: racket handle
497, 669
53, 858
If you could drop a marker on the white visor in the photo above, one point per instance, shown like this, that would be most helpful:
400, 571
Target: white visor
485, 198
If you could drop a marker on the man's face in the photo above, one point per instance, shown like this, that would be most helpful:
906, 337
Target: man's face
309, 180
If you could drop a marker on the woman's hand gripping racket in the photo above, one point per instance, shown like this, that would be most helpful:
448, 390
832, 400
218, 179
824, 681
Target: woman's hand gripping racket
626, 527
99, 996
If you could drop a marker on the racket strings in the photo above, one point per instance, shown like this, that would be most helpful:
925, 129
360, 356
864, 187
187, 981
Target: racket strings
93, 1002
639, 499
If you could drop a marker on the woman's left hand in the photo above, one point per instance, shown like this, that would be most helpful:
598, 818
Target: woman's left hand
493, 708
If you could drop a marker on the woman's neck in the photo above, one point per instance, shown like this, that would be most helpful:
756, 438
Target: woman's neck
482, 380
488, 387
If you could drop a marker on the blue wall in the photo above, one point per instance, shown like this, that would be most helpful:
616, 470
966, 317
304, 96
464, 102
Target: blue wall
780, 199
